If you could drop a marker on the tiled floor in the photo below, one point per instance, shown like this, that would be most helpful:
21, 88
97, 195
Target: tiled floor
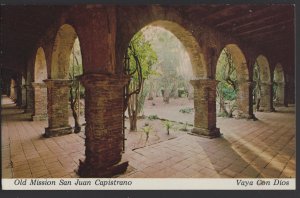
263, 148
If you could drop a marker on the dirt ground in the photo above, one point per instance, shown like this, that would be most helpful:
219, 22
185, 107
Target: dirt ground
182, 122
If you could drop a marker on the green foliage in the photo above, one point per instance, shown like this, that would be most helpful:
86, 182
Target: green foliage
226, 74
153, 117
147, 56
186, 110
228, 92
168, 125
227, 87
75, 66
147, 129
275, 88
142, 49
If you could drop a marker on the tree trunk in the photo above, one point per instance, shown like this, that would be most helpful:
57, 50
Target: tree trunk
73, 101
132, 110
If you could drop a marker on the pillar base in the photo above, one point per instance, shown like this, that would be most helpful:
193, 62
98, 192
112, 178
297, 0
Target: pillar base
241, 115
28, 110
89, 171
212, 133
267, 110
52, 132
39, 117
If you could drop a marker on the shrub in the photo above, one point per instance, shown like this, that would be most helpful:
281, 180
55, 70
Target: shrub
186, 110
153, 117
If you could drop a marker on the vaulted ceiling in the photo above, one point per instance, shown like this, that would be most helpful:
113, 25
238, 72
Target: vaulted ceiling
269, 27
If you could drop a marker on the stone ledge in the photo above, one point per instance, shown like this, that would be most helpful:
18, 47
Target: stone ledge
213, 133
52, 132
91, 171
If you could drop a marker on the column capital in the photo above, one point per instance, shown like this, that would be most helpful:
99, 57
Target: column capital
38, 85
197, 83
57, 82
104, 80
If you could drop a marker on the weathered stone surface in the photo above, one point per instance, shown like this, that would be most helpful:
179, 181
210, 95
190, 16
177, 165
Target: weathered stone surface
280, 93
266, 103
24, 98
245, 100
205, 107
40, 101
57, 106
29, 98
103, 113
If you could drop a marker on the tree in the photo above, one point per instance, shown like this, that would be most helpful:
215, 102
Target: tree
75, 69
138, 61
257, 86
172, 57
227, 87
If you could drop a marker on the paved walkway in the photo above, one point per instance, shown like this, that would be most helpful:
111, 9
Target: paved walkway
264, 148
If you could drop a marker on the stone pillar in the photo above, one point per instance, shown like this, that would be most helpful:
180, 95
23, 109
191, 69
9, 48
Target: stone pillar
23, 93
104, 103
40, 101
13, 93
245, 100
280, 93
29, 98
57, 107
19, 95
266, 103
205, 108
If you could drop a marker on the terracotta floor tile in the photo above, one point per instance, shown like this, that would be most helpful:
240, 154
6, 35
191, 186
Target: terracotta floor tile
264, 148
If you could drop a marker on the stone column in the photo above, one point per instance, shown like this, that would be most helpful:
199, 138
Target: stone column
245, 100
266, 103
13, 93
280, 93
205, 108
19, 95
24, 94
40, 101
58, 107
104, 103
29, 98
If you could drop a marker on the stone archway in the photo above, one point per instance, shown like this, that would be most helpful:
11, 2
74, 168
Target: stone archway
13, 94
242, 74
39, 87
58, 86
279, 82
266, 103
204, 88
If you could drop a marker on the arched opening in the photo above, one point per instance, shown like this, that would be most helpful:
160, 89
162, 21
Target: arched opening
39, 87
278, 85
63, 91
262, 84
233, 88
40, 66
169, 57
77, 92
13, 90
62, 49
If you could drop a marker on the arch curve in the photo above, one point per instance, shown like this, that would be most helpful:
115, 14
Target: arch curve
189, 42
264, 67
239, 61
62, 48
40, 66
